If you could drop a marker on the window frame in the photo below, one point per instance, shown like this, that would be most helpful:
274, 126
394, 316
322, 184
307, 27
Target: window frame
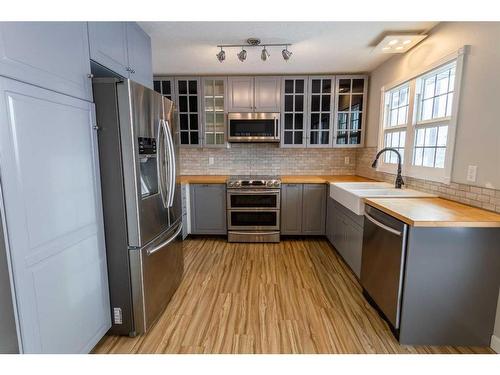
442, 175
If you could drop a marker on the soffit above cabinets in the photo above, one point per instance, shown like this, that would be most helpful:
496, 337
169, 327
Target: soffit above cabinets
181, 48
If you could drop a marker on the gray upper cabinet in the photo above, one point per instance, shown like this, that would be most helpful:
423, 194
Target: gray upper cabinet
240, 94
314, 209
293, 111
291, 209
351, 94
124, 48
108, 45
303, 209
52, 55
139, 55
254, 94
321, 108
267, 94
208, 208
165, 86
188, 107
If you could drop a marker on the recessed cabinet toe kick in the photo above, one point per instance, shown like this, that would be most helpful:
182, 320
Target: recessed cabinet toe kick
434, 285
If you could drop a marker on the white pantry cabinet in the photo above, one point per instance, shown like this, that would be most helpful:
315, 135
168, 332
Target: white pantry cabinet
53, 55
52, 210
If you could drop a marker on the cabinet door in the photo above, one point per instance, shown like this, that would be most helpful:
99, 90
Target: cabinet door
354, 246
320, 130
188, 110
293, 111
214, 118
351, 93
208, 209
53, 55
330, 212
314, 209
240, 94
267, 94
165, 86
139, 55
53, 213
291, 209
108, 45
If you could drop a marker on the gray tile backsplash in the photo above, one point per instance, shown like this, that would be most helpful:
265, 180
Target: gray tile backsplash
254, 158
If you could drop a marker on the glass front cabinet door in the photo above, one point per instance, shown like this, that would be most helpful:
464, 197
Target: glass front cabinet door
293, 111
214, 104
321, 108
351, 93
164, 86
188, 110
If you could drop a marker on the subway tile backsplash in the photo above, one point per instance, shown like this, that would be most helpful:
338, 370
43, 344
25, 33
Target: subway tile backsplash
271, 159
488, 199
265, 158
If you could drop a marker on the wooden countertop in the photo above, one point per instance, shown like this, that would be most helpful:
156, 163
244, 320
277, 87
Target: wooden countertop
220, 179
435, 212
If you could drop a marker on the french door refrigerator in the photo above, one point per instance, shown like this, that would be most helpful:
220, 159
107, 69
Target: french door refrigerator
138, 150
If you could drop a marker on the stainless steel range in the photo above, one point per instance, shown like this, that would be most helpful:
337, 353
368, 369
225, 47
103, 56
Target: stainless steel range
253, 208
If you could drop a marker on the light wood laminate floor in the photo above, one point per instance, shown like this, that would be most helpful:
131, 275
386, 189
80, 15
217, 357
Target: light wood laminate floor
297, 296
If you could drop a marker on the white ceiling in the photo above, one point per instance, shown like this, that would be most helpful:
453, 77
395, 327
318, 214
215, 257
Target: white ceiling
318, 47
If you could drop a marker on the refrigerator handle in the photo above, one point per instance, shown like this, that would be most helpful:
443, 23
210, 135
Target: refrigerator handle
163, 244
172, 169
161, 173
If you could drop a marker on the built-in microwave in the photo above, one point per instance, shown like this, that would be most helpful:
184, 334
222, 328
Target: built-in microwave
253, 127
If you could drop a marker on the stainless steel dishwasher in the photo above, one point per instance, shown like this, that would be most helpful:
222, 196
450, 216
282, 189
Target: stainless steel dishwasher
383, 262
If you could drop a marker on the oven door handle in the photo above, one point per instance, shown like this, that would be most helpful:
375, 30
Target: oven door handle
248, 192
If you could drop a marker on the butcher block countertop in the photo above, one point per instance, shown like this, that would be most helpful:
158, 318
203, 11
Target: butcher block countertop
435, 212
208, 179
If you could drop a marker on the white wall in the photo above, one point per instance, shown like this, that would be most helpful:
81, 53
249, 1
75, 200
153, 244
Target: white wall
478, 127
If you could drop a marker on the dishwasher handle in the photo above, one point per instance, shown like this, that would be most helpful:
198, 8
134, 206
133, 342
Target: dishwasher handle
383, 226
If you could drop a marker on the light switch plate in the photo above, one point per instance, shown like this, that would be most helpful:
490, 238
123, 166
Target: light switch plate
346, 160
472, 173
211, 160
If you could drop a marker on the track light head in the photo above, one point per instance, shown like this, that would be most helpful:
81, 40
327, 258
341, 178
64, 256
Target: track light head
221, 56
242, 55
265, 54
286, 54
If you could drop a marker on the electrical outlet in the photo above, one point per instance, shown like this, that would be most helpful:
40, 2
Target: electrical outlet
472, 173
346, 160
211, 160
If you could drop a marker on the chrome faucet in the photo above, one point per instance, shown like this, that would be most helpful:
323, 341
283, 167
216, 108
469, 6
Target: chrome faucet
399, 179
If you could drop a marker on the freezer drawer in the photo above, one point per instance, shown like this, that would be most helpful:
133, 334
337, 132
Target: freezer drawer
156, 272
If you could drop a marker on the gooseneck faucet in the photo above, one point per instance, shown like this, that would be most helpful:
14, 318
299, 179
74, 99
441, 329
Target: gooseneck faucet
399, 179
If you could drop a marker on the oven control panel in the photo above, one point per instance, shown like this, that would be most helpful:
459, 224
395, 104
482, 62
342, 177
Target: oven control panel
273, 183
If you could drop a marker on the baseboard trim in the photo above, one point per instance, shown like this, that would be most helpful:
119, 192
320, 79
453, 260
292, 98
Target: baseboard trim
495, 343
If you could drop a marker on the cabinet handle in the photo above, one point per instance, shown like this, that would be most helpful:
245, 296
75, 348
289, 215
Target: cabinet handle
128, 69
132, 71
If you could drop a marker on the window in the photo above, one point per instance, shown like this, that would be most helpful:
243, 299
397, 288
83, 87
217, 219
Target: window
418, 120
395, 121
434, 101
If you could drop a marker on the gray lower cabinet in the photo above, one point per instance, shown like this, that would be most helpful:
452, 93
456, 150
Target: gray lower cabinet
345, 232
208, 208
184, 195
303, 209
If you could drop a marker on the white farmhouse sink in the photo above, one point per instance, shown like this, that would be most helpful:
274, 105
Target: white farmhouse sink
351, 194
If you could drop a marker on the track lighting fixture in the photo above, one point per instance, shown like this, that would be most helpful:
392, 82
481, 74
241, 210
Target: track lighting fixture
286, 54
221, 56
242, 56
253, 42
264, 55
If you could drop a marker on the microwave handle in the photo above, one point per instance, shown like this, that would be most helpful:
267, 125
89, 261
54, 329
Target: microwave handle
276, 135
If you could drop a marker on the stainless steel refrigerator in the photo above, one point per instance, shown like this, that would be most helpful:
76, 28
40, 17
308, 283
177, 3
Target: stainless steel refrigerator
138, 152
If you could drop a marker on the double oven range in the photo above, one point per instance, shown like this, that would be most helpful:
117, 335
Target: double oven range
253, 209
